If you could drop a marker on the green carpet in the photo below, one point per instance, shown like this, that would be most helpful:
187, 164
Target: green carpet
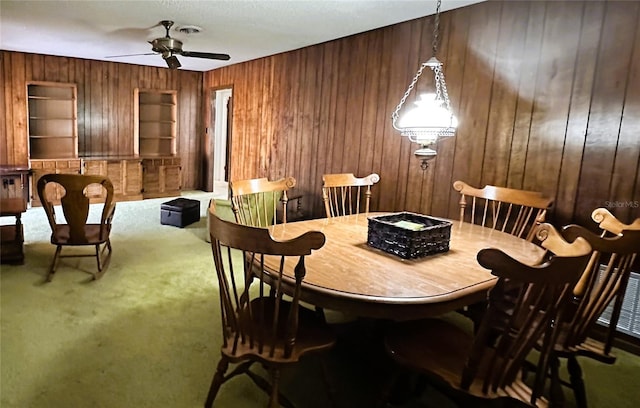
147, 333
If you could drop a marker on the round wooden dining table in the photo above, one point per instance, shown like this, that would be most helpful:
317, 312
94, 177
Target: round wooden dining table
349, 276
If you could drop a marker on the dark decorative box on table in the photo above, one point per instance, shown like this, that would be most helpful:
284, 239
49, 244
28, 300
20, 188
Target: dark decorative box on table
409, 235
180, 212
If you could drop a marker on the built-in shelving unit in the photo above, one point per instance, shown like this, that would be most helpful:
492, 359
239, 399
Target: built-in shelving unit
155, 115
52, 120
153, 170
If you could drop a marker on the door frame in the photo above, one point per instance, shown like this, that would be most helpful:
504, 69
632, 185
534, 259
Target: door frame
209, 137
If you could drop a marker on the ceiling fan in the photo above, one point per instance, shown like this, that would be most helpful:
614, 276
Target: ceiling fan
169, 47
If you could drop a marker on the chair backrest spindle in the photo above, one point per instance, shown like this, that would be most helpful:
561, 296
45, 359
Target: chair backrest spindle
603, 281
516, 212
255, 201
345, 194
255, 316
522, 307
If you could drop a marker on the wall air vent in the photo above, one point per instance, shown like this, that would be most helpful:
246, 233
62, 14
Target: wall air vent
629, 321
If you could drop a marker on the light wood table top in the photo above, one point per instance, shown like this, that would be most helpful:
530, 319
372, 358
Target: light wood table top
348, 275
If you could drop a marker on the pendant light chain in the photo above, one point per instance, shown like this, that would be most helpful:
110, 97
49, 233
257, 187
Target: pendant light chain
434, 47
441, 85
436, 30
396, 112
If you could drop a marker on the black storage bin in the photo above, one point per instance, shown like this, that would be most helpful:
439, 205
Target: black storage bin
180, 212
430, 236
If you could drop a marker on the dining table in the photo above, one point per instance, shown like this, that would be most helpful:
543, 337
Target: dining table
348, 275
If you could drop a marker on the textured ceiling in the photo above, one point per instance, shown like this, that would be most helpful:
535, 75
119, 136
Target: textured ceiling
244, 29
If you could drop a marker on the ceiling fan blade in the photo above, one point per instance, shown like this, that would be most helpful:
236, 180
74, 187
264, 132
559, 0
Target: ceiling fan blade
130, 55
208, 55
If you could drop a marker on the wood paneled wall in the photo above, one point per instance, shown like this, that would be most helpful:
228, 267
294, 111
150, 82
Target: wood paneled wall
547, 94
105, 106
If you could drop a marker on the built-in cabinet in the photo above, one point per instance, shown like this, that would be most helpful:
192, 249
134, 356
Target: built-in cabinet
49, 166
155, 116
52, 120
162, 177
132, 178
125, 175
153, 170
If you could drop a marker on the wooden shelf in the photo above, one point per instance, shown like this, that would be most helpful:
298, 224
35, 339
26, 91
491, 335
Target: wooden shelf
49, 137
46, 118
155, 116
157, 121
52, 125
45, 98
157, 104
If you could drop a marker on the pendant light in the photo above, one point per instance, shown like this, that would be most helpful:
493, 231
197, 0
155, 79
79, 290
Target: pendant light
431, 118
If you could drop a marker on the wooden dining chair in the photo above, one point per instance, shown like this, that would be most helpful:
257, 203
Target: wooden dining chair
485, 368
602, 284
260, 323
255, 201
609, 224
345, 194
516, 212
78, 231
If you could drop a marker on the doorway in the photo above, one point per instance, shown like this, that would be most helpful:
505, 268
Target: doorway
221, 113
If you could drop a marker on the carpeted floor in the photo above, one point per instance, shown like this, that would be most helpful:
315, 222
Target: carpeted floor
146, 334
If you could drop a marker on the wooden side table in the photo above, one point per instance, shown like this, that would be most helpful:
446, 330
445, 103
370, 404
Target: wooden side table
12, 236
15, 181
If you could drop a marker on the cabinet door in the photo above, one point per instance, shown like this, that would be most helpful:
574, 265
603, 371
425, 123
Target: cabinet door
170, 179
161, 177
38, 169
66, 167
150, 179
11, 186
132, 178
95, 168
41, 167
115, 174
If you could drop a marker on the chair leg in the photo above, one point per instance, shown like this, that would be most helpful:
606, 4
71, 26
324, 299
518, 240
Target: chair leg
218, 379
103, 260
275, 385
320, 314
557, 396
387, 387
54, 263
575, 377
326, 378
98, 258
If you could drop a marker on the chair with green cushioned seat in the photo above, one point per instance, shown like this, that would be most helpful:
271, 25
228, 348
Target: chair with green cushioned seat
255, 201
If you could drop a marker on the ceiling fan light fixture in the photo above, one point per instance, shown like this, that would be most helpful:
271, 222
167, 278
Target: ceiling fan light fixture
172, 61
169, 47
